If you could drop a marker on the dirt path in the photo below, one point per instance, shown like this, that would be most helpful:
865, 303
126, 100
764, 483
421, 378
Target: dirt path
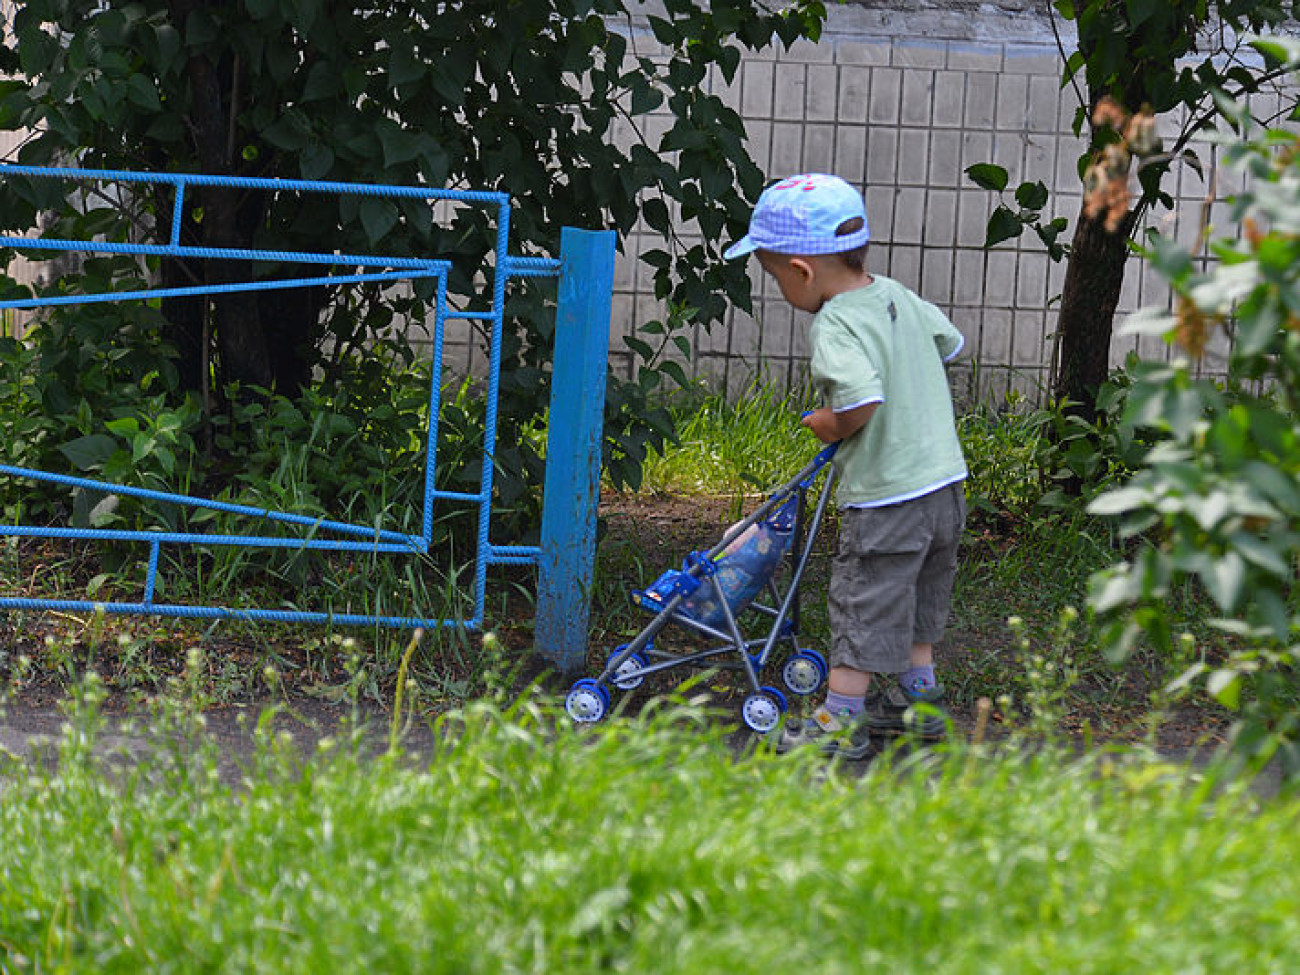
32, 733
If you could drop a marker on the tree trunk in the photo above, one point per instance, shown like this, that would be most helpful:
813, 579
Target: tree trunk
1094, 276
183, 322
291, 317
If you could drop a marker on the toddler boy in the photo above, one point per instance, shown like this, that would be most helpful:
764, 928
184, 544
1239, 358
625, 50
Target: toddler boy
878, 354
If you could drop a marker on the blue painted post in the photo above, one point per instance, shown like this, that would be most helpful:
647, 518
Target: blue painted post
568, 549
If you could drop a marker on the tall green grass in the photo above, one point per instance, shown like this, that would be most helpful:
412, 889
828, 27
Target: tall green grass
646, 845
729, 445
740, 446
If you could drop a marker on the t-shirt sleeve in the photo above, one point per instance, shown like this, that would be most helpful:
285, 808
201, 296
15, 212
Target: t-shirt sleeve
841, 367
947, 339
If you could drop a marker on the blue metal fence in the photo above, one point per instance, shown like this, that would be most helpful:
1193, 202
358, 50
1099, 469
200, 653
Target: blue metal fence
585, 271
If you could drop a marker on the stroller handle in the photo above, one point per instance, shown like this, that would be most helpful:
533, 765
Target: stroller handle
821, 460
817, 463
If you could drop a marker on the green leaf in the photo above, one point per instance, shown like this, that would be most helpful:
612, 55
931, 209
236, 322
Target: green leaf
1110, 590
674, 370
141, 92
400, 145
1119, 501
89, 452
105, 512
125, 427
315, 161
729, 61
141, 447
645, 98
404, 67
1140, 11
1263, 555
1224, 685
656, 216
1225, 580
291, 132
1004, 224
988, 176
1048, 233
322, 82
200, 29
664, 31
1032, 196
657, 258
1072, 66
377, 217
639, 346
1282, 48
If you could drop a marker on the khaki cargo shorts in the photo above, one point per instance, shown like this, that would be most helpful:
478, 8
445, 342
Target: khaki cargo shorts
891, 580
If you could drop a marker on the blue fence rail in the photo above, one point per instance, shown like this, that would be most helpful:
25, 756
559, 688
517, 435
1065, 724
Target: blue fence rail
565, 557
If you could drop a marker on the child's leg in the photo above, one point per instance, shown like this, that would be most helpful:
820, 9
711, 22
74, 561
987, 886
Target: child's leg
919, 676
891, 710
846, 690
946, 514
871, 602
873, 613
848, 680
872, 595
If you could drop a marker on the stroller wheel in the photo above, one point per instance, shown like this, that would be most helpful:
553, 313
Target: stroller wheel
627, 676
762, 711
818, 659
587, 701
803, 673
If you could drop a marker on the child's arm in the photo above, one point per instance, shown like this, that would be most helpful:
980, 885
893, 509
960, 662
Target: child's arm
831, 427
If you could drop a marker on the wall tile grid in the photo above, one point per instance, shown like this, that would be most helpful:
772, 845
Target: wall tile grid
903, 120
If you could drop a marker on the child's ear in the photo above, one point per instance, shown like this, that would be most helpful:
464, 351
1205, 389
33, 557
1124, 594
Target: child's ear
802, 268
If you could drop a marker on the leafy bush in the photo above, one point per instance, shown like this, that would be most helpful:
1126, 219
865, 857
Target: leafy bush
351, 451
93, 391
522, 98
1025, 461
1218, 500
1090, 451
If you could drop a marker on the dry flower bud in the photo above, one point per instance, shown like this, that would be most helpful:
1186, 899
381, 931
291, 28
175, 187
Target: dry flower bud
1141, 135
1193, 327
1109, 112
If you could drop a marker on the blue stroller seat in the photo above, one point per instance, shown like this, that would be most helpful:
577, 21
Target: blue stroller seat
743, 569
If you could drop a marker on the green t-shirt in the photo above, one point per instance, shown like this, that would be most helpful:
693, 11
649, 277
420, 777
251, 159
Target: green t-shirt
883, 344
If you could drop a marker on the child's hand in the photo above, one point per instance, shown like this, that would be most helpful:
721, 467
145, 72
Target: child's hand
831, 427
822, 423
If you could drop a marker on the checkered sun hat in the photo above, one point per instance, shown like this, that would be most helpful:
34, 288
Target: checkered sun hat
799, 215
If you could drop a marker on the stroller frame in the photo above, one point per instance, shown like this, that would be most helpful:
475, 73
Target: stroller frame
804, 671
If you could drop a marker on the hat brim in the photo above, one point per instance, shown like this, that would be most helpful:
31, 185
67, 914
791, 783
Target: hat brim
741, 248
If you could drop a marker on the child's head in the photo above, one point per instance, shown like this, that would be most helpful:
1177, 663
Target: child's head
803, 225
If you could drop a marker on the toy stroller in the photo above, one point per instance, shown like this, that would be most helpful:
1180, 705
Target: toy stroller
709, 595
